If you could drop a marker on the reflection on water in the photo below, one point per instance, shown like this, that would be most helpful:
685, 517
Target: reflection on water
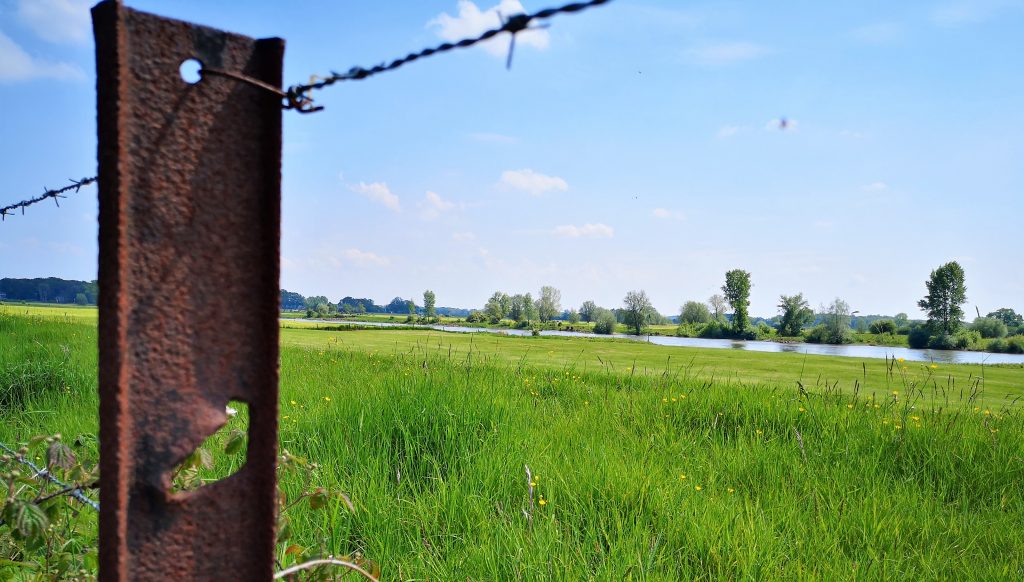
848, 351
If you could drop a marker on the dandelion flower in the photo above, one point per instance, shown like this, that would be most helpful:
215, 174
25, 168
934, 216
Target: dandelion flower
327, 398
698, 488
731, 490
849, 406
759, 431
933, 366
294, 403
802, 409
682, 477
543, 502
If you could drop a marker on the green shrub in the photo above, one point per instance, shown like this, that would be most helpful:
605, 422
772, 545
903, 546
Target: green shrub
966, 339
605, 323
989, 327
764, 331
918, 337
1015, 345
997, 346
824, 334
714, 330
942, 341
882, 326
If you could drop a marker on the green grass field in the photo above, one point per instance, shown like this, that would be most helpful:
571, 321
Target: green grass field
653, 463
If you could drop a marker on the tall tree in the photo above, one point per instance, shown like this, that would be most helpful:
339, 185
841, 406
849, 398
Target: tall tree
637, 310
796, 313
412, 308
1008, 316
946, 293
588, 310
694, 312
901, 320
498, 306
549, 304
737, 293
836, 318
718, 305
429, 304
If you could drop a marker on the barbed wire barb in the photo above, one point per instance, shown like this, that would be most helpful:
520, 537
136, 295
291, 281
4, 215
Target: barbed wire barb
75, 185
298, 98
73, 491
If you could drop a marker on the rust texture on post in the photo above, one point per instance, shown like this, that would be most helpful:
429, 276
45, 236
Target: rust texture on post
190, 179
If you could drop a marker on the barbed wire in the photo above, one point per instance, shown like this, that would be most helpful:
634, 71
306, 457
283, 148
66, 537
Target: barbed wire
298, 97
75, 492
75, 185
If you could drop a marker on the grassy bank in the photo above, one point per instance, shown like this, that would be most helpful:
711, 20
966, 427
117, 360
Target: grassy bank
647, 471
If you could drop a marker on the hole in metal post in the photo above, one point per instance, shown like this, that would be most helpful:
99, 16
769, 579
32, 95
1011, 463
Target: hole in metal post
220, 456
190, 70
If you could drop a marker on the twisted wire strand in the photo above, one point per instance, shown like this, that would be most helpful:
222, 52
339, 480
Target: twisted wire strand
44, 473
75, 185
297, 96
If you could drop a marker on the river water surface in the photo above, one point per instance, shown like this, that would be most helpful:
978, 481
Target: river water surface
847, 351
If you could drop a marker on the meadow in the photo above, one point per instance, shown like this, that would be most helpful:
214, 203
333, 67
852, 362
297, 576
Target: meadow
647, 462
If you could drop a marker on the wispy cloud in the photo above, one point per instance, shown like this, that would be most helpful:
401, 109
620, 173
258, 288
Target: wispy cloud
363, 258
875, 187
463, 236
434, 205
18, 65
471, 21
377, 192
532, 182
727, 131
960, 13
597, 230
666, 214
57, 21
485, 137
878, 33
725, 53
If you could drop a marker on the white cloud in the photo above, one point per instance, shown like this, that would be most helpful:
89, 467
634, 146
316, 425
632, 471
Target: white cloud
377, 192
878, 33
598, 230
666, 214
962, 12
364, 258
727, 131
18, 65
875, 187
532, 182
471, 21
493, 138
726, 53
435, 205
463, 236
59, 21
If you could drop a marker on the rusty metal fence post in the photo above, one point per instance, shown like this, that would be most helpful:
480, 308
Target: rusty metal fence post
189, 180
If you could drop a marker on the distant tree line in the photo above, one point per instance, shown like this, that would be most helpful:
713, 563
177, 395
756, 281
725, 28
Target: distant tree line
49, 290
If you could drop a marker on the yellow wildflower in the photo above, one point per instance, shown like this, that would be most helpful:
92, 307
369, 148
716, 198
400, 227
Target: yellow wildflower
698, 488
731, 490
849, 406
682, 477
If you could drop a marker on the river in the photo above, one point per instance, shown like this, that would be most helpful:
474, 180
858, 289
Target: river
846, 351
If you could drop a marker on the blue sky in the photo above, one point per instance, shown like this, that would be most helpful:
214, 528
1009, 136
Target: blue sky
634, 146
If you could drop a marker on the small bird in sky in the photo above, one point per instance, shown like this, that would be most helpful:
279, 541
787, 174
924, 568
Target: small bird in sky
783, 123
